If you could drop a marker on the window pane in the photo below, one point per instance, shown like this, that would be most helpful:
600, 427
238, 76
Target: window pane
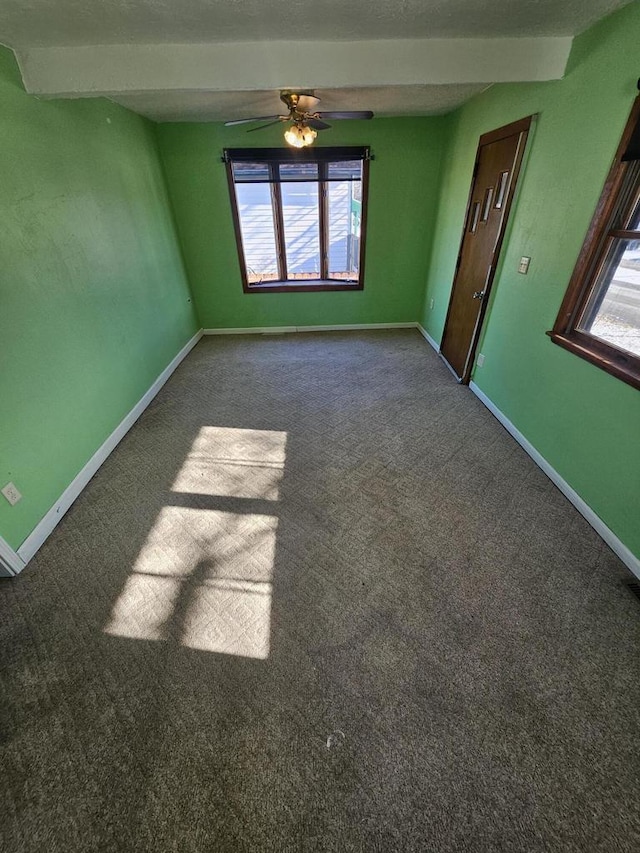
634, 219
300, 211
258, 233
629, 201
345, 207
250, 172
613, 311
349, 170
298, 171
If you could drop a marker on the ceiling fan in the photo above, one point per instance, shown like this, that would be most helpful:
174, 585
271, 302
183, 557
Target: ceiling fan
304, 118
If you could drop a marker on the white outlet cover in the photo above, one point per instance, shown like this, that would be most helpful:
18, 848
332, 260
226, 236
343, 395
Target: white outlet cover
11, 494
480, 360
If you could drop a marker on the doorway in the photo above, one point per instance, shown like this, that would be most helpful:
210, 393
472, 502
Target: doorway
495, 174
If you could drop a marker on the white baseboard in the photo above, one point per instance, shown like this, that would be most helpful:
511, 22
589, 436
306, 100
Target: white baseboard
262, 330
45, 527
10, 563
283, 330
428, 337
617, 546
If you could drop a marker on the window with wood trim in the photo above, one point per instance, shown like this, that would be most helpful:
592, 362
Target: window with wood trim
599, 318
299, 216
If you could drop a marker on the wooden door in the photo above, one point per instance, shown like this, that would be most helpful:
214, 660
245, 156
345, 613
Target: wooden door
495, 174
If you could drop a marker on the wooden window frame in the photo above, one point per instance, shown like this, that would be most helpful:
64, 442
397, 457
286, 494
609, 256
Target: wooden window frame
323, 157
565, 332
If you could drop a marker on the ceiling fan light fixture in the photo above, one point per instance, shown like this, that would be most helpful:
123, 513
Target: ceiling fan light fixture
300, 135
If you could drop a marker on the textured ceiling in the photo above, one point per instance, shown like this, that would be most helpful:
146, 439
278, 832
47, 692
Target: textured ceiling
219, 106
76, 22
186, 60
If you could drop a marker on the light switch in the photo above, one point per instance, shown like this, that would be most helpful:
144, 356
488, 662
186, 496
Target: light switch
523, 266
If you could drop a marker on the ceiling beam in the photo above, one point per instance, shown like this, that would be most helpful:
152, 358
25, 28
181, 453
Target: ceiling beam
113, 69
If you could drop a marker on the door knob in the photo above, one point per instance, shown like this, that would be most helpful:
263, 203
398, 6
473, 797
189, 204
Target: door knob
478, 294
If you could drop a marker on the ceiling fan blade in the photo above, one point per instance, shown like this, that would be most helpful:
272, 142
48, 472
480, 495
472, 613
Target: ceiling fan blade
357, 114
316, 124
249, 120
262, 126
307, 103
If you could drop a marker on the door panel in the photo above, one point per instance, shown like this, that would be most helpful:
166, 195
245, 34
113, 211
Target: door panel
496, 171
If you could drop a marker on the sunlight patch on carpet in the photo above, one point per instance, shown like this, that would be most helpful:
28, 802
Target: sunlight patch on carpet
239, 463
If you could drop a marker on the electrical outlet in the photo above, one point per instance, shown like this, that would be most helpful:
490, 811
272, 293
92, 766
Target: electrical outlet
431, 304
523, 266
11, 494
480, 360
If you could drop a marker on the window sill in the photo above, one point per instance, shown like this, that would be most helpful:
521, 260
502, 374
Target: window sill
598, 353
304, 286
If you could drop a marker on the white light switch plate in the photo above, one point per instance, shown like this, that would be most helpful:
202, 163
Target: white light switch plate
523, 266
11, 494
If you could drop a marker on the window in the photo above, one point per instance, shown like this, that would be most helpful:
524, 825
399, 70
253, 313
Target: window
299, 217
599, 318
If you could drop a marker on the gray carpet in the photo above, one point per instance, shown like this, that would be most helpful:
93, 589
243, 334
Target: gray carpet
319, 600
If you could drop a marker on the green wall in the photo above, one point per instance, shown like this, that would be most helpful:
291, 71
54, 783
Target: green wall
402, 200
93, 298
583, 421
